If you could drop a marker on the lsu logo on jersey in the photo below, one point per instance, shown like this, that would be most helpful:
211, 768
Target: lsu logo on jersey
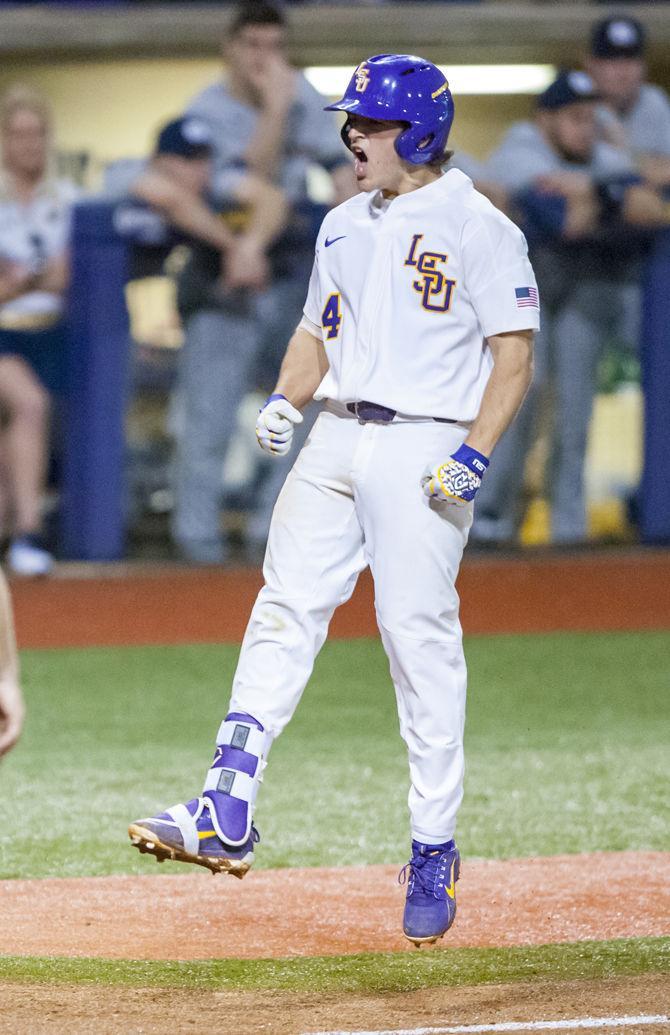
435, 288
362, 77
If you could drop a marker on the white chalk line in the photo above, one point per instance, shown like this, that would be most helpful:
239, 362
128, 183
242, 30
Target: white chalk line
476, 1029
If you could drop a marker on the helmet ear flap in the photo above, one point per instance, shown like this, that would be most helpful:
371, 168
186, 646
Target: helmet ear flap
419, 147
344, 133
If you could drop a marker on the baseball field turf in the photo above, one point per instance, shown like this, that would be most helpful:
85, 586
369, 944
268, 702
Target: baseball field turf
566, 744
567, 738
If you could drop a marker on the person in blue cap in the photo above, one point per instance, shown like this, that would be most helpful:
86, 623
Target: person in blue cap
572, 192
633, 113
175, 182
417, 335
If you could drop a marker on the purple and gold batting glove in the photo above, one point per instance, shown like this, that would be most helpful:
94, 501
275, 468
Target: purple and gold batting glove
457, 480
274, 427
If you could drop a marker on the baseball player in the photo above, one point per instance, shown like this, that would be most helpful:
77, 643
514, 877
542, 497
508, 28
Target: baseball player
417, 335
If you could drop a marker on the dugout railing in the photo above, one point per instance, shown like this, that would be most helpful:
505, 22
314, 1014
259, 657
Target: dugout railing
93, 498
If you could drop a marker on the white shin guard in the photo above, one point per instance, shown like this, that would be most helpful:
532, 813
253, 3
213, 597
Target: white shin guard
231, 785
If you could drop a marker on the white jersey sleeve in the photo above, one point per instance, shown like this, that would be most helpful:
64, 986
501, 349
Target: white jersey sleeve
312, 328
312, 307
498, 275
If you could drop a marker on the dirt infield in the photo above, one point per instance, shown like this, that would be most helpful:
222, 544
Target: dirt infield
325, 912
122, 605
76, 1010
322, 912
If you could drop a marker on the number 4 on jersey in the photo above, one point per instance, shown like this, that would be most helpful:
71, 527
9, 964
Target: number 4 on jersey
331, 317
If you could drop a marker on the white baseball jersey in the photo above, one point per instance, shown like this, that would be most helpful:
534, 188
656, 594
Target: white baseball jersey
405, 292
33, 233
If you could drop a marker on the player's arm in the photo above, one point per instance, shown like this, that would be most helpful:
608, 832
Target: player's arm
302, 371
276, 85
646, 208
303, 368
11, 699
582, 209
655, 169
458, 478
55, 276
269, 209
505, 390
268, 214
184, 209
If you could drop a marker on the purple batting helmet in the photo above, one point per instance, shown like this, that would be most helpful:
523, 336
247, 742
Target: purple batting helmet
402, 88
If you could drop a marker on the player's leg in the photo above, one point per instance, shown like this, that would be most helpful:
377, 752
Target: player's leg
26, 403
213, 374
5, 498
314, 556
580, 332
414, 549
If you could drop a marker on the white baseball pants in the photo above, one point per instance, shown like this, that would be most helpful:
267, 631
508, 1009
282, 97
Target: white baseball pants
353, 498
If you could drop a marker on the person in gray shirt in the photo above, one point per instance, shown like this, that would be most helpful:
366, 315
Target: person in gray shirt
265, 120
633, 113
570, 191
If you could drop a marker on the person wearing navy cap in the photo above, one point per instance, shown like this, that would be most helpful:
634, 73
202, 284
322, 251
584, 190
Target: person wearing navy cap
228, 264
175, 183
187, 137
569, 87
569, 189
634, 113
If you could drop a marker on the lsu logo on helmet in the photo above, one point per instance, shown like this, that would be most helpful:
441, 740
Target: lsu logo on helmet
362, 77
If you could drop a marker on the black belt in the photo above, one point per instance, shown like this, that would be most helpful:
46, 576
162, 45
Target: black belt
366, 411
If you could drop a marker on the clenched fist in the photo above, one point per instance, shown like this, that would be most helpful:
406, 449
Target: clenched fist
275, 424
457, 479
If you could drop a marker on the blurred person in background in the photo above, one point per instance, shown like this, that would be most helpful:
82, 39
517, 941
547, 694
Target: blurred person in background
267, 122
34, 271
175, 183
581, 204
12, 708
633, 114
166, 201
228, 263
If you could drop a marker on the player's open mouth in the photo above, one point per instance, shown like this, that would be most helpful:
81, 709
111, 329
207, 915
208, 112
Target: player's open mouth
360, 162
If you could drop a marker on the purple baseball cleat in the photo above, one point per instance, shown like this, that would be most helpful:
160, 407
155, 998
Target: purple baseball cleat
215, 830
430, 906
186, 833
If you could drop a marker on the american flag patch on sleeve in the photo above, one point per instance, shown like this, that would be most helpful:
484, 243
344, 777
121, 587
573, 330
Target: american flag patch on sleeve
526, 297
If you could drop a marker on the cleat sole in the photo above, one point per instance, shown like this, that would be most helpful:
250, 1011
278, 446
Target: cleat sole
429, 940
148, 844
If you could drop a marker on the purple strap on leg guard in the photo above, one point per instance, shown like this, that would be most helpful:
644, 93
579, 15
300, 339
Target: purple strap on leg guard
232, 782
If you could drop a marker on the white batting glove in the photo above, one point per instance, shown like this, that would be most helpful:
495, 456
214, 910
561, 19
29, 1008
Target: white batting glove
457, 480
275, 424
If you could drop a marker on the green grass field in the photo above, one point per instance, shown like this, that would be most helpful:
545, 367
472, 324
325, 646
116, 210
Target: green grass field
566, 750
369, 973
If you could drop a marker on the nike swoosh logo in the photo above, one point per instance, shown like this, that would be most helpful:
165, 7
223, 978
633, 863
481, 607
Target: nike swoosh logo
332, 240
451, 888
